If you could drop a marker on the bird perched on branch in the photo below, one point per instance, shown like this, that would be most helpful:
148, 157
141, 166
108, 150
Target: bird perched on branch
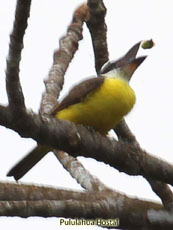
100, 102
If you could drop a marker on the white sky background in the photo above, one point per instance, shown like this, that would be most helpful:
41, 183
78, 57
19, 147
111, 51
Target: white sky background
151, 120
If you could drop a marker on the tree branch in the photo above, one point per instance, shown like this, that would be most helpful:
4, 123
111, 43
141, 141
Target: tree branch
91, 210
161, 189
78, 172
21, 192
6, 117
77, 140
164, 192
14, 90
62, 57
124, 133
47, 202
98, 30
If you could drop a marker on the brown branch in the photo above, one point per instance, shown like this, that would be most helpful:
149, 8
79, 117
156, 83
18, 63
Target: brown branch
124, 133
68, 46
72, 165
62, 58
6, 117
112, 208
122, 130
164, 192
78, 172
46, 202
98, 30
161, 189
14, 90
21, 192
90, 210
77, 140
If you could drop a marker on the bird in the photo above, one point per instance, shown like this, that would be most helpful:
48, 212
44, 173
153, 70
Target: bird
99, 102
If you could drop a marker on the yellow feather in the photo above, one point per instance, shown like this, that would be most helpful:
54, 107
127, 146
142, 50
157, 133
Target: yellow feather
103, 108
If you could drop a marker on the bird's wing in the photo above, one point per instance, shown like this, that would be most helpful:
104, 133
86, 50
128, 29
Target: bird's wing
78, 93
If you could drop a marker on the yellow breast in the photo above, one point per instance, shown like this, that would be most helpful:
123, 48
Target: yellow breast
103, 108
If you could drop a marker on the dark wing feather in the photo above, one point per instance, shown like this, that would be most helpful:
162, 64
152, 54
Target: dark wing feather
78, 93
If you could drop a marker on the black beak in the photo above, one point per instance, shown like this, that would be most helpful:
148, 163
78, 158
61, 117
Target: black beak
125, 60
131, 66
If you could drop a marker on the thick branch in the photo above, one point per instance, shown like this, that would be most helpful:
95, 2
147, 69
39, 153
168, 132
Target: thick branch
62, 57
79, 141
68, 46
78, 209
161, 189
21, 192
48, 202
6, 117
14, 90
124, 133
122, 130
164, 192
98, 30
78, 172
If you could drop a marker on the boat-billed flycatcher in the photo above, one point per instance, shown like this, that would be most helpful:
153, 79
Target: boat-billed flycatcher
100, 102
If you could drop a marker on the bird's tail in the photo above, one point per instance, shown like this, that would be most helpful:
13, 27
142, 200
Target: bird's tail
31, 159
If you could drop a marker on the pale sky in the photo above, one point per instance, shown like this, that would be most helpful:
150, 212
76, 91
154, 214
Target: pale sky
151, 119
